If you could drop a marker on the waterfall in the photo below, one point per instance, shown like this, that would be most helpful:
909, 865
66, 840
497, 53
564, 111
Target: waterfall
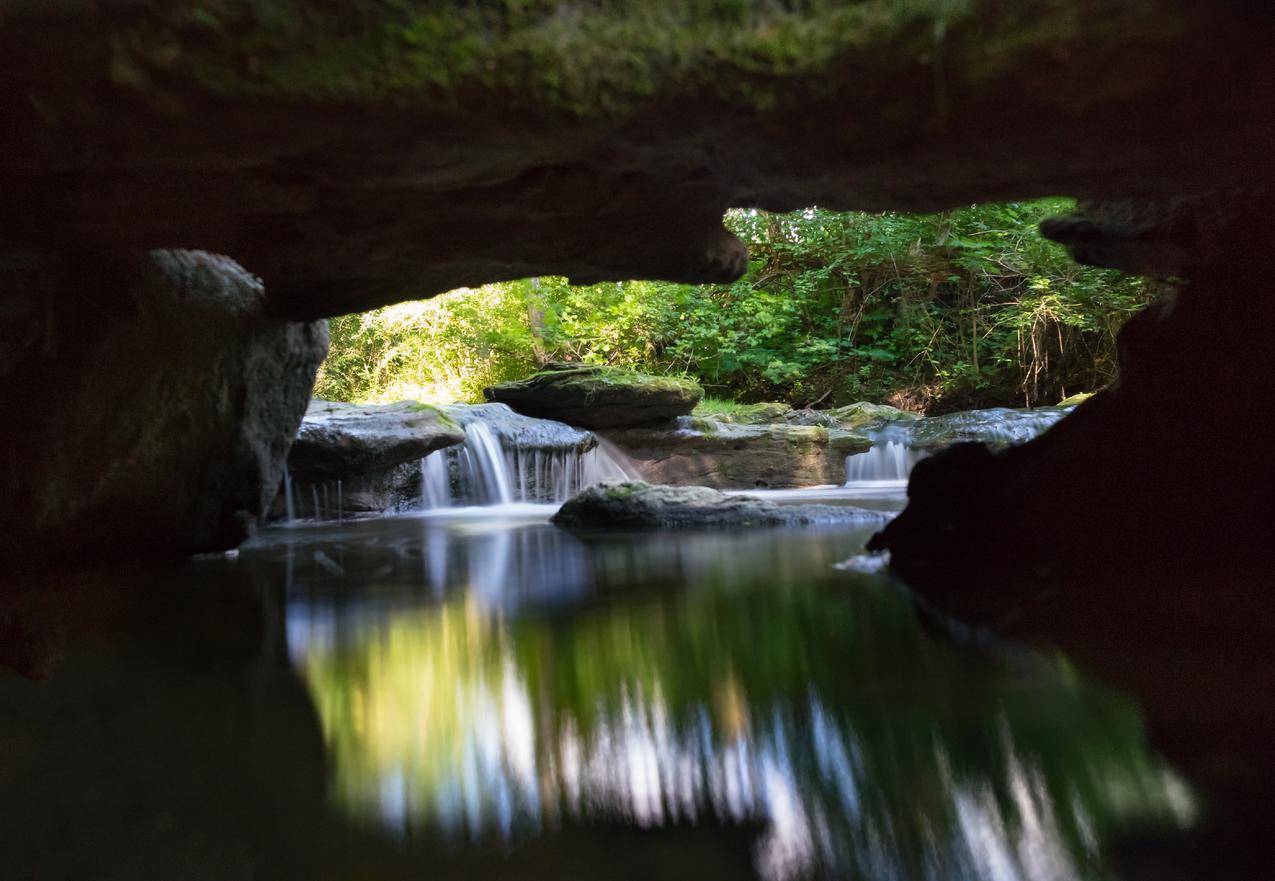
289, 507
482, 471
887, 461
898, 446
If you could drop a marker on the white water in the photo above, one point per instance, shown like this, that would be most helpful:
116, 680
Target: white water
897, 447
482, 472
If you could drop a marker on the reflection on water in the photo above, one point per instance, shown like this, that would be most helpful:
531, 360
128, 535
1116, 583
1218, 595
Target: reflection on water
500, 679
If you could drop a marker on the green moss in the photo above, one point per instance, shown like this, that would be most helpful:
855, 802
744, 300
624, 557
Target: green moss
599, 59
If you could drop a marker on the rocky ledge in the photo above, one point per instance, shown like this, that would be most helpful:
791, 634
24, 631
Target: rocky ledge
598, 397
337, 440
651, 506
733, 456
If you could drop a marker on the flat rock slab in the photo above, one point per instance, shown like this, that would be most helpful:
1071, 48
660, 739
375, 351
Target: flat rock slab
636, 504
733, 456
337, 440
598, 397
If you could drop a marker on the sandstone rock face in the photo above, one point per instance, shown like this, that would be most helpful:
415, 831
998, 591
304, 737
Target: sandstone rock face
338, 440
159, 422
728, 456
598, 397
642, 505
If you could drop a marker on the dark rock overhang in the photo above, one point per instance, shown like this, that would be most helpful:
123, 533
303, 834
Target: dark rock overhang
355, 154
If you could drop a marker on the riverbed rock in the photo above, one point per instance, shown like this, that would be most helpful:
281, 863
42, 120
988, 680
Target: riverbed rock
158, 423
763, 413
338, 440
597, 396
643, 505
728, 456
517, 432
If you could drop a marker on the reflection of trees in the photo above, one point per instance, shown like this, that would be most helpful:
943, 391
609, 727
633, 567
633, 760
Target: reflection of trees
824, 711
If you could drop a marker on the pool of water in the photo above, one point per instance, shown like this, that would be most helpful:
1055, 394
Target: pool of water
480, 694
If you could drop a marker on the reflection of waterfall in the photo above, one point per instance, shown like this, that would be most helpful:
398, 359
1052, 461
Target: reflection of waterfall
483, 471
898, 446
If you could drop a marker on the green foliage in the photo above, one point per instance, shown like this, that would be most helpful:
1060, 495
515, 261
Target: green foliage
936, 312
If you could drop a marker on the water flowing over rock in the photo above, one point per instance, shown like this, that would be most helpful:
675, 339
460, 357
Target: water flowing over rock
729, 456
507, 457
643, 505
897, 446
160, 426
598, 397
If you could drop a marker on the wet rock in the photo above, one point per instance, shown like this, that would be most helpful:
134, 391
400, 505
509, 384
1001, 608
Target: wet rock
728, 456
338, 440
158, 422
645, 505
1073, 400
998, 427
517, 432
598, 397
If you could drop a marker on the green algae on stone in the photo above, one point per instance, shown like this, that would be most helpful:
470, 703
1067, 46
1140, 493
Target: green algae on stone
598, 396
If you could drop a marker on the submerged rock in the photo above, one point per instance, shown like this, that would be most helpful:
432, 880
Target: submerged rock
598, 397
160, 425
638, 504
337, 440
728, 456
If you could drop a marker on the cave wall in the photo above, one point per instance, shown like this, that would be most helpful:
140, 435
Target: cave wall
150, 403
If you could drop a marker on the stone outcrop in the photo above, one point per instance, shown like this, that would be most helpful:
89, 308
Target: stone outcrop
338, 440
598, 397
730, 456
635, 504
159, 419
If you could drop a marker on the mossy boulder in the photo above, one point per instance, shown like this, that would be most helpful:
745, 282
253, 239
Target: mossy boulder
1073, 400
745, 414
634, 504
598, 397
850, 417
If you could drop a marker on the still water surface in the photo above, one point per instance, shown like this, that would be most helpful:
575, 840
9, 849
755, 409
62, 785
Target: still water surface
488, 683
495, 678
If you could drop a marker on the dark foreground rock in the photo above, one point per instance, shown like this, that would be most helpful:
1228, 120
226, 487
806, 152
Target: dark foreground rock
598, 397
705, 452
337, 440
637, 504
159, 422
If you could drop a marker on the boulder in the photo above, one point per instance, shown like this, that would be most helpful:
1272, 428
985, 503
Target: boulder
729, 456
517, 432
1073, 400
652, 506
598, 397
156, 424
337, 440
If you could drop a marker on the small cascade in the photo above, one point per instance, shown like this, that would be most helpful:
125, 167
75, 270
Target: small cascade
898, 446
290, 507
482, 471
888, 461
